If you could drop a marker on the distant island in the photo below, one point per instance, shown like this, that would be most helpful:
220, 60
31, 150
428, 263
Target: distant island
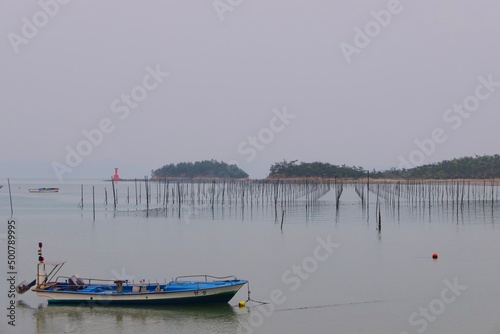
478, 167
200, 169
291, 169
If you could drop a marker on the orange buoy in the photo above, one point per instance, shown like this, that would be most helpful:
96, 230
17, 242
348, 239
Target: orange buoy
434, 256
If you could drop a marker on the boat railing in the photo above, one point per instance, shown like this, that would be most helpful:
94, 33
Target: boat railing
89, 280
101, 280
218, 278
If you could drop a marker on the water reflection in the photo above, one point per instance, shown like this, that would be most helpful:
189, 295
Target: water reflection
172, 319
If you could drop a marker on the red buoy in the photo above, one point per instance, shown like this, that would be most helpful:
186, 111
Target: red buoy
434, 256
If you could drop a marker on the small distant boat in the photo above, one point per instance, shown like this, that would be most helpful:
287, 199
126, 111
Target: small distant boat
44, 190
92, 291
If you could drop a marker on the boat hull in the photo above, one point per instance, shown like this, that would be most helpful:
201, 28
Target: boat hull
204, 295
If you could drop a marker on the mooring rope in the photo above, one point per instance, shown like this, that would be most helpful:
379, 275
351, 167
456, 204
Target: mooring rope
249, 299
330, 305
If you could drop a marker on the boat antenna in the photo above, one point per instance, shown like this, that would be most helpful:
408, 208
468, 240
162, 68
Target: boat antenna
24, 286
40, 257
40, 267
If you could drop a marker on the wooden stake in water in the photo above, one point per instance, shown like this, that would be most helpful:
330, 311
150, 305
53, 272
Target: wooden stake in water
82, 196
282, 218
10, 198
147, 194
368, 196
179, 195
114, 194
93, 202
379, 219
136, 200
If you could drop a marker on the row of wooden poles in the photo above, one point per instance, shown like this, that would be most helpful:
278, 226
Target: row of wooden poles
245, 193
283, 193
433, 192
426, 194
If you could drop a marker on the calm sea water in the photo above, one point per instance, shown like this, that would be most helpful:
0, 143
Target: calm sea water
327, 271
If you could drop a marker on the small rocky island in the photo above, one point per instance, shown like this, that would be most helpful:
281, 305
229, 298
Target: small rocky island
212, 169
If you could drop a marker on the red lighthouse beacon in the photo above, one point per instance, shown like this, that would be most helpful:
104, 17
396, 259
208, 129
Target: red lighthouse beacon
116, 177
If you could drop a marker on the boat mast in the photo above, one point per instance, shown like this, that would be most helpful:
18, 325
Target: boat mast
41, 275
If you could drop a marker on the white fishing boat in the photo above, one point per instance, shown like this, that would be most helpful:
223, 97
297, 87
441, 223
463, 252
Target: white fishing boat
91, 291
44, 190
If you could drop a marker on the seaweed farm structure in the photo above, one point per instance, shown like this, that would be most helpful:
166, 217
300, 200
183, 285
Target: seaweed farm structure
182, 196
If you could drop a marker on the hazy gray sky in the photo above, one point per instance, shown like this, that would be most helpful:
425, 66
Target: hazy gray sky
249, 81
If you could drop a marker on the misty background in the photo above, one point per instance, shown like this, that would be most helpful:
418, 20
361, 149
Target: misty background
231, 66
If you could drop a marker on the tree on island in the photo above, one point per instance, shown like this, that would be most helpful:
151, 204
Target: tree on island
314, 169
205, 169
478, 167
